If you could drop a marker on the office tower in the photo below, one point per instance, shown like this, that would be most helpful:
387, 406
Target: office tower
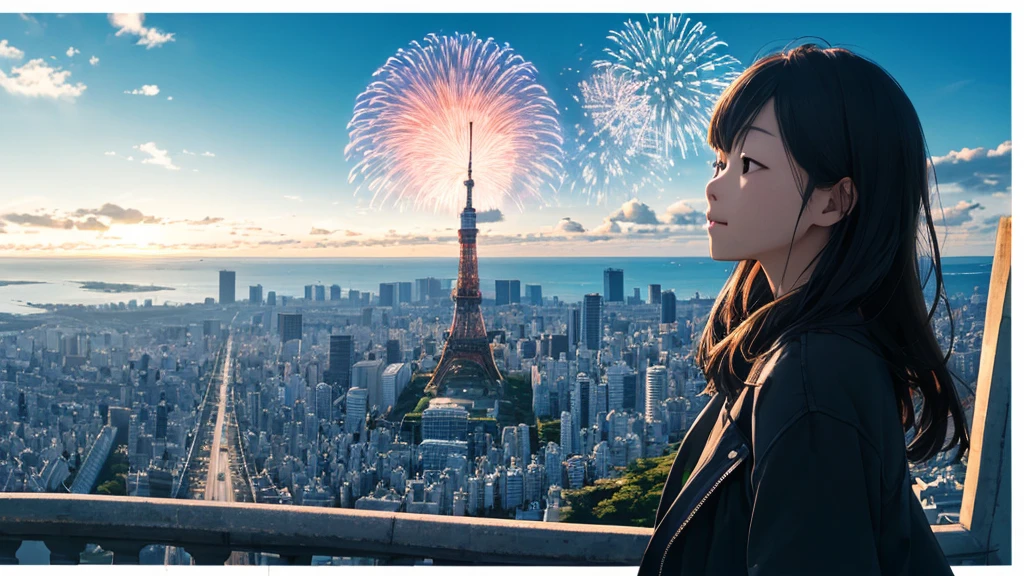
616, 385
355, 411
321, 296
256, 295
422, 286
395, 378
161, 421
514, 292
656, 391
585, 408
654, 293
364, 298
568, 434
227, 287
367, 317
590, 328
394, 352
613, 285
323, 401
501, 292
366, 374
271, 298
308, 292
557, 344
342, 350
533, 294
572, 326
387, 294
467, 339
353, 297
668, 307
449, 422
405, 292
289, 326
335, 293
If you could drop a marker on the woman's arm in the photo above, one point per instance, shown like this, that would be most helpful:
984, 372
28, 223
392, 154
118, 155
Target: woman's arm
815, 499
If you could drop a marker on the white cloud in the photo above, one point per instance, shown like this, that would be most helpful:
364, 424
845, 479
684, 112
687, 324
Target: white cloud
170, 97
157, 156
130, 158
1001, 150
569, 225
955, 215
146, 90
209, 154
110, 153
294, 198
94, 60
132, 24
37, 79
8, 51
682, 213
72, 51
187, 153
636, 212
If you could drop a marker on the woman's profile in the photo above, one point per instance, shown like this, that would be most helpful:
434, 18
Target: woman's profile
825, 375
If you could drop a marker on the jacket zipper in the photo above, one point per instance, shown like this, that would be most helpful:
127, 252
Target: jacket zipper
694, 511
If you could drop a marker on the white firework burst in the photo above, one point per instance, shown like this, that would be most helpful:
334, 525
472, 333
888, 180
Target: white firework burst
680, 70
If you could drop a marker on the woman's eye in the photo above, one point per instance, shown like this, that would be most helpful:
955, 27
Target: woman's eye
747, 162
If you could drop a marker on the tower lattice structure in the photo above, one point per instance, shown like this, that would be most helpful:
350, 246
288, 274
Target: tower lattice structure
467, 339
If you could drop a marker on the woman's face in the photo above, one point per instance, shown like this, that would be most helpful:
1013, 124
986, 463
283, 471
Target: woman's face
754, 197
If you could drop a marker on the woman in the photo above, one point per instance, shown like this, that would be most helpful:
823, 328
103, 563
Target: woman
819, 346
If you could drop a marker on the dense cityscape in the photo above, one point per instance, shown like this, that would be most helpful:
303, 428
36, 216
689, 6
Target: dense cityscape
325, 402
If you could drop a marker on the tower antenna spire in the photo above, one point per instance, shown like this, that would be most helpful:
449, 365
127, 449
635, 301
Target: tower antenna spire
469, 180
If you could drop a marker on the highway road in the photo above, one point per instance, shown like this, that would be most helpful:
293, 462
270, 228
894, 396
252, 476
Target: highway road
218, 475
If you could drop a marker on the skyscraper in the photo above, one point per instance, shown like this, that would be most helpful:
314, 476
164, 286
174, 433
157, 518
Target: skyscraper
289, 326
342, 350
308, 292
355, 411
657, 389
514, 292
533, 294
590, 330
256, 295
321, 295
227, 287
613, 285
393, 351
654, 293
501, 292
572, 326
405, 292
668, 307
387, 294
323, 401
335, 293
271, 298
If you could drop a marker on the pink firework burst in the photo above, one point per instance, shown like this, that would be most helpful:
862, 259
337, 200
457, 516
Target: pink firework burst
409, 132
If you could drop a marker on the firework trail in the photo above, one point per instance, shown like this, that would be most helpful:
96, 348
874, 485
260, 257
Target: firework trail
616, 149
409, 133
647, 104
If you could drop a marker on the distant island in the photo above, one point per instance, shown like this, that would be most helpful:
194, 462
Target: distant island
18, 282
110, 288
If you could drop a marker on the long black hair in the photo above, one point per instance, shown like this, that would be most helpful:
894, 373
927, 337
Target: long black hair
841, 115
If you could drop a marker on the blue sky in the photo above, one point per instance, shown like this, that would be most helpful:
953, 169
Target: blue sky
269, 96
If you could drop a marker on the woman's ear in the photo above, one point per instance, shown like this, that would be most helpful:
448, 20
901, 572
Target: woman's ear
839, 200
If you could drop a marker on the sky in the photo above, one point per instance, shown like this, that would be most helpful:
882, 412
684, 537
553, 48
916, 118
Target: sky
226, 134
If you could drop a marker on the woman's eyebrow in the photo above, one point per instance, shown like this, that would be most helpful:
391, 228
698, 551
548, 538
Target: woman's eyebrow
762, 130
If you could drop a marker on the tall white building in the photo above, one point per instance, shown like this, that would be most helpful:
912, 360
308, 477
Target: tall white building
394, 379
655, 393
567, 433
366, 374
553, 465
355, 411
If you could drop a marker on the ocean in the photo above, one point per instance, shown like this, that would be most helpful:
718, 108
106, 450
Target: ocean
194, 279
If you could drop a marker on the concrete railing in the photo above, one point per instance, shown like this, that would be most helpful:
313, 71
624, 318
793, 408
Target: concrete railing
211, 531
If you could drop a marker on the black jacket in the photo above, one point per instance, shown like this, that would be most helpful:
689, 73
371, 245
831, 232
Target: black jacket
809, 477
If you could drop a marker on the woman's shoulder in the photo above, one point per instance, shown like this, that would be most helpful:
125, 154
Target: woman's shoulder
840, 374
